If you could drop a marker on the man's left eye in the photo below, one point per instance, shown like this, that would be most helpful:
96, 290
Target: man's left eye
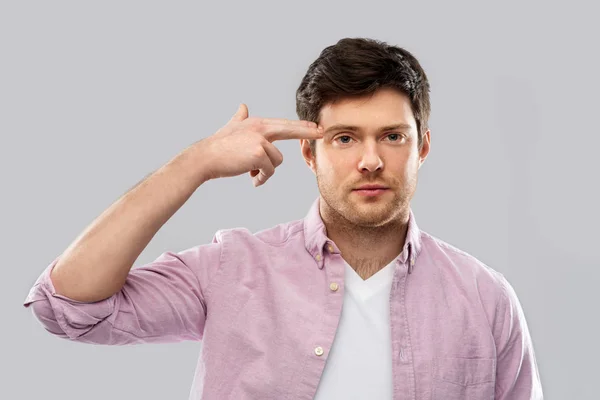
393, 137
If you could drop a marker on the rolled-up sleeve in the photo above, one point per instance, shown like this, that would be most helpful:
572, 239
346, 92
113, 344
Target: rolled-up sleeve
162, 301
517, 376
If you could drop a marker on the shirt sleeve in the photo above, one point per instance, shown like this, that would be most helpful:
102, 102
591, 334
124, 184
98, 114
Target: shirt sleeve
163, 301
517, 376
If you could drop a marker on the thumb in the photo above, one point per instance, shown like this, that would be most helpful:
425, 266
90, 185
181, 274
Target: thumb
241, 113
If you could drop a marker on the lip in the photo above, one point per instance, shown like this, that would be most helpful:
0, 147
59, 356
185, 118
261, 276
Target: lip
370, 192
371, 187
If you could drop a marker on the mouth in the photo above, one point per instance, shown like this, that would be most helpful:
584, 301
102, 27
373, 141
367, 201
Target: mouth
370, 190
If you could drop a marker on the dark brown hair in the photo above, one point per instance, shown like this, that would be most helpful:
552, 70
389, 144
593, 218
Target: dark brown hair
359, 66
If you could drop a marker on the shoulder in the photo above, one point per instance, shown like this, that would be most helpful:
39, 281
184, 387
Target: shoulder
462, 266
448, 256
277, 235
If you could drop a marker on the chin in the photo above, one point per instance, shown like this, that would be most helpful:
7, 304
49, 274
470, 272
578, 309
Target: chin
370, 221
367, 214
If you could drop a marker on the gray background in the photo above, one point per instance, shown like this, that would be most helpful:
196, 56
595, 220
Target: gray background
96, 95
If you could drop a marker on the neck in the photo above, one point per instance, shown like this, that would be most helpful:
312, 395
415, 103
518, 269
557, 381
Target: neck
366, 249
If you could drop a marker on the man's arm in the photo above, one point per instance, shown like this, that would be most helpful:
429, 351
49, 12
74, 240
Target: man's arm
95, 266
89, 293
517, 376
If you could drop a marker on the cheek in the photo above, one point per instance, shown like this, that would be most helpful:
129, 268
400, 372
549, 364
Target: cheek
331, 174
407, 161
341, 169
329, 165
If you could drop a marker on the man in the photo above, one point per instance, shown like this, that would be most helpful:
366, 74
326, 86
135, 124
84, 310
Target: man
351, 302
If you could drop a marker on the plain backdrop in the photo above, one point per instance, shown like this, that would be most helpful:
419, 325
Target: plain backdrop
94, 96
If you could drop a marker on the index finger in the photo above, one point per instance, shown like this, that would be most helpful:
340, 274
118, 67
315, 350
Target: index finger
273, 132
284, 121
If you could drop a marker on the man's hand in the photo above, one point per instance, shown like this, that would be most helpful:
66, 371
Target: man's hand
245, 145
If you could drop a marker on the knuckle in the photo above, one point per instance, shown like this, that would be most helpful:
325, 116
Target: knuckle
263, 141
263, 176
258, 153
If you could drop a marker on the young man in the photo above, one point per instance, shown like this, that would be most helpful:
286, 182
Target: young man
351, 302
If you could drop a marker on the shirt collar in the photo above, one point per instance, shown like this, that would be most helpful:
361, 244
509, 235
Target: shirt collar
317, 242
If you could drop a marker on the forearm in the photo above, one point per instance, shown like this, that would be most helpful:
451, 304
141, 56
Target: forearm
96, 264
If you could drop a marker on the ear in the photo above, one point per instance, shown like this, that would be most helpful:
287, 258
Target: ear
308, 156
425, 148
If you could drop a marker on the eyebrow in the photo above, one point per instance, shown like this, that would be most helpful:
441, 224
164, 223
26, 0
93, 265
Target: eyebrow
342, 127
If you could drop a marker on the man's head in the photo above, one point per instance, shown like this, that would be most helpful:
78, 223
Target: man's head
365, 88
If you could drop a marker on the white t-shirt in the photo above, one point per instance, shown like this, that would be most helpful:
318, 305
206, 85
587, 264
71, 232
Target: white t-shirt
359, 365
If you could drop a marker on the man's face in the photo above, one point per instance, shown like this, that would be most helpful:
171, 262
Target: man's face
347, 158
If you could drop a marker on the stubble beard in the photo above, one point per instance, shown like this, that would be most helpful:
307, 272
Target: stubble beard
354, 214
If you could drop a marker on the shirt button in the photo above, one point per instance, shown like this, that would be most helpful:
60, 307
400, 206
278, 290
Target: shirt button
318, 257
412, 261
330, 248
334, 286
319, 351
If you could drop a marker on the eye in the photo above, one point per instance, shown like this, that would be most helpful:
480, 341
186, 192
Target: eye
394, 137
343, 141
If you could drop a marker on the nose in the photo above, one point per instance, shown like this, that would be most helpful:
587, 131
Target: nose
370, 161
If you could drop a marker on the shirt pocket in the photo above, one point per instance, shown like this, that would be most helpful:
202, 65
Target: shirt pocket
463, 379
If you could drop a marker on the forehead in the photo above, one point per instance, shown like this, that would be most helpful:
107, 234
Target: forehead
383, 107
